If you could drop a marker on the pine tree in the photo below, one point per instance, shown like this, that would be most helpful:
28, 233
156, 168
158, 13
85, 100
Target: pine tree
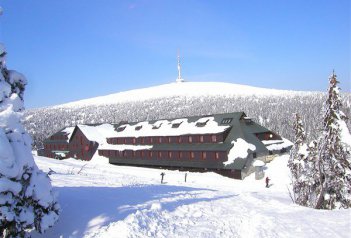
27, 201
298, 162
334, 165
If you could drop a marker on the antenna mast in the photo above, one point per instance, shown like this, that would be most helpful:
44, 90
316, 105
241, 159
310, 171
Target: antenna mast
179, 79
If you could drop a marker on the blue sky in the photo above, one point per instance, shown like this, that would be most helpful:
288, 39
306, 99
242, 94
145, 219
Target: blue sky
71, 50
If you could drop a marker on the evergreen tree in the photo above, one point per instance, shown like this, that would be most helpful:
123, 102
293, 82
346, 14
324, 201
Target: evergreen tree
334, 160
27, 201
298, 162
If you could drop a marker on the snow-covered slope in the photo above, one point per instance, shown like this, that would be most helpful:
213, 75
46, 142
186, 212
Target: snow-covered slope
102, 200
188, 89
269, 107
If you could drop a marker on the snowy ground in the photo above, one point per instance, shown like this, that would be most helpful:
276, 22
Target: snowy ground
102, 200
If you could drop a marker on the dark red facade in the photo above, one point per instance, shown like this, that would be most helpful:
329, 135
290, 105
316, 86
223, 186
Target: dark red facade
80, 146
64, 145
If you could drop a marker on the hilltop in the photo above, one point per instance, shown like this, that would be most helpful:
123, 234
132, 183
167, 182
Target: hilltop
271, 108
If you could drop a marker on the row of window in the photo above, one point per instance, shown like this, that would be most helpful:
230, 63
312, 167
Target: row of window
65, 146
147, 154
56, 147
267, 136
167, 139
58, 137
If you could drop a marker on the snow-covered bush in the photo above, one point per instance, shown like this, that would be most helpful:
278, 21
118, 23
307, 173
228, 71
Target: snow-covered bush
27, 201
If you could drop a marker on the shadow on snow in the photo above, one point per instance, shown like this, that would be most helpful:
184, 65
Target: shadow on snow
85, 208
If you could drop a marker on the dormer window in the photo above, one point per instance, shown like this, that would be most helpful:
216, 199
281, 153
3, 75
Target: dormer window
226, 121
201, 124
156, 126
176, 125
121, 128
247, 120
137, 128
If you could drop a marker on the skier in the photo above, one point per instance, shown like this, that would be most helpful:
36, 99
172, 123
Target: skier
186, 174
267, 182
162, 175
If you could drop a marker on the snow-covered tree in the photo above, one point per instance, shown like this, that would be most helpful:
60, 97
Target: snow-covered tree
334, 154
321, 172
27, 201
299, 163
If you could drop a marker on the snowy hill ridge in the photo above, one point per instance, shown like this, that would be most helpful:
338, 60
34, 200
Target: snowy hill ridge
187, 89
271, 108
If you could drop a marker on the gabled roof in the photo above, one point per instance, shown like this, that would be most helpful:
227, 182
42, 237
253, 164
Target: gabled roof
66, 131
95, 132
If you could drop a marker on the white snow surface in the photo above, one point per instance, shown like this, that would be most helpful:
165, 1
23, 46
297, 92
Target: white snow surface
189, 89
344, 133
239, 150
278, 146
124, 147
102, 200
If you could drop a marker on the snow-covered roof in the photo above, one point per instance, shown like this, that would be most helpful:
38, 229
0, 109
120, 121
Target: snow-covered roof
97, 133
176, 127
284, 143
125, 147
68, 131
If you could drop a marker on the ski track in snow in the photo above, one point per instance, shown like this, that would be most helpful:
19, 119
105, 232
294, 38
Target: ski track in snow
101, 200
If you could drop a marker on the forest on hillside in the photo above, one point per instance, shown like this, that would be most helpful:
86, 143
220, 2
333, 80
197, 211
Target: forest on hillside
275, 113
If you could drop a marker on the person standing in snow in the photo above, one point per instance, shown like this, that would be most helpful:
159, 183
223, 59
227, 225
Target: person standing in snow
162, 175
186, 174
267, 182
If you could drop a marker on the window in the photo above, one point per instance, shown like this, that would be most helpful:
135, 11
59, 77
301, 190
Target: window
190, 139
179, 139
226, 120
121, 128
192, 155
134, 141
156, 126
175, 125
217, 156
180, 155
204, 155
159, 154
214, 138
248, 120
137, 128
201, 124
201, 139
160, 140
170, 154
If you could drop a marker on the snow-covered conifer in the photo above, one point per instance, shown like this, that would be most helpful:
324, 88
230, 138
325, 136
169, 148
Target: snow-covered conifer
27, 201
334, 151
298, 163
